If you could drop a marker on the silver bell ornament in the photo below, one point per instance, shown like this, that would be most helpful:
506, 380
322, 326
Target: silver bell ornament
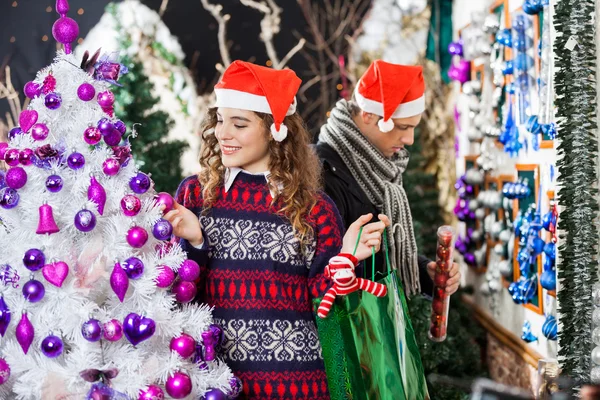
476, 236
494, 286
480, 256
505, 236
480, 213
505, 268
474, 177
488, 222
499, 250
473, 205
474, 134
491, 24
496, 230
495, 200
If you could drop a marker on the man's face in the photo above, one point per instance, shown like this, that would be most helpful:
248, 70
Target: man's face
389, 143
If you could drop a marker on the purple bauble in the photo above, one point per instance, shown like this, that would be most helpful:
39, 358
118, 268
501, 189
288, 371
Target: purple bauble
9, 198
113, 138
152, 393
52, 346
16, 178
119, 282
131, 205
189, 270
236, 388
138, 328
92, 135
134, 267
65, 30
105, 126
4, 371
470, 259
53, 101
14, 132
54, 183
26, 157
120, 126
4, 316
184, 345
179, 385
113, 330
106, 98
3, 149
214, 394
455, 48
137, 237
162, 229
85, 220
11, 157
166, 200
76, 160
140, 183
34, 259
33, 291
184, 291
39, 131
92, 330
111, 166
32, 90
165, 277
86, 91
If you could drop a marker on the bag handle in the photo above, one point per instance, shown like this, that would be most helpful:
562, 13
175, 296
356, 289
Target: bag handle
385, 250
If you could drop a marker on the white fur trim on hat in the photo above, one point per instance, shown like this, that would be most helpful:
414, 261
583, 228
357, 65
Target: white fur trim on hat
230, 98
404, 110
280, 135
385, 126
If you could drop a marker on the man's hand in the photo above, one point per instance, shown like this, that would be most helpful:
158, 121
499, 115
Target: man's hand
453, 281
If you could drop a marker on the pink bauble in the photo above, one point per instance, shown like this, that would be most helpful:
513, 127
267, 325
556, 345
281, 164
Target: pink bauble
16, 178
111, 166
184, 291
26, 157
131, 205
152, 393
3, 148
189, 270
106, 98
184, 345
137, 237
165, 277
92, 135
39, 131
12, 157
179, 385
113, 330
65, 30
32, 90
4, 371
165, 199
86, 91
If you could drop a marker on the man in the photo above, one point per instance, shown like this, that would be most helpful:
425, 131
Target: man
362, 147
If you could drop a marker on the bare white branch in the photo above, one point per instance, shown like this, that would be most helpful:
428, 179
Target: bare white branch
215, 10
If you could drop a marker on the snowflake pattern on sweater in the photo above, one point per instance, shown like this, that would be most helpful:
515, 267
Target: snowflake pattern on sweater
262, 286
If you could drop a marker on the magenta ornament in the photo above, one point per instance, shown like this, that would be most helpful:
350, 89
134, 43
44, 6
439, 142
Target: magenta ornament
39, 131
91, 330
138, 328
113, 330
153, 392
119, 282
26, 157
106, 98
111, 166
210, 339
131, 205
166, 200
189, 270
65, 30
86, 91
184, 345
460, 71
113, 138
3, 149
52, 346
16, 178
165, 277
4, 316
32, 90
27, 119
137, 237
97, 194
4, 371
92, 135
11, 157
179, 385
46, 224
25, 333
184, 291
56, 273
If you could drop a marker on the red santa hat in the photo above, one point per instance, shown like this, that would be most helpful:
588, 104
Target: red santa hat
391, 91
265, 90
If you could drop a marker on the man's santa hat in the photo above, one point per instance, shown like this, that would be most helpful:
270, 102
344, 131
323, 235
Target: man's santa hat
265, 90
391, 91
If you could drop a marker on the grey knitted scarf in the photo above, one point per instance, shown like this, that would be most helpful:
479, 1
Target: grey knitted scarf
380, 179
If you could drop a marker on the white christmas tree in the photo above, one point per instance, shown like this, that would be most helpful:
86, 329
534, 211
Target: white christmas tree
91, 287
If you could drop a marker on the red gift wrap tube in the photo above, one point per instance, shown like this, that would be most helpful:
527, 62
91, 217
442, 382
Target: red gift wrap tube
441, 300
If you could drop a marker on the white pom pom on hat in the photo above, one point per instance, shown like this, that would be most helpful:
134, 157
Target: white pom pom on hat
385, 126
281, 134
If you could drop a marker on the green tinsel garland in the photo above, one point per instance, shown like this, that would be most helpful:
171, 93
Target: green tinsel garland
575, 83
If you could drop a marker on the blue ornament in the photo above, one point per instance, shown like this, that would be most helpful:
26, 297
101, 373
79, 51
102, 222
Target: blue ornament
550, 328
504, 37
512, 288
520, 23
527, 335
549, 221
532, 125
548, 264
507, 68
510, 88
533, 7
550, 250
530, 289
522, 43
549, 130
548, 280
517, 224
538, 246
522, 63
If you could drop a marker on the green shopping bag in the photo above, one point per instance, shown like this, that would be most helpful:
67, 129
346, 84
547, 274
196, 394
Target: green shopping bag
369, 346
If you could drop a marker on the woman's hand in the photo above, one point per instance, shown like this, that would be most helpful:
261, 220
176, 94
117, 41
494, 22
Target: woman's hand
185, 224
369, 239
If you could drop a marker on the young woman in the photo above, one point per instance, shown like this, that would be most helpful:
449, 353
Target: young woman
257, 223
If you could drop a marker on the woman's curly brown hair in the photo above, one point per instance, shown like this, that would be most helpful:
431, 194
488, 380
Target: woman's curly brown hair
294, 166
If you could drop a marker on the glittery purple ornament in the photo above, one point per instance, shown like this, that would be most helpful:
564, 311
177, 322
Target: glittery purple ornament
54, 183
92, 330
131, 205
162, 229
140, 183
14, 132
153, 392
4, 316
236, 386
184, 291
97, 194
184, 345
111, 166
34, 259
179, 385
9, 198
189, 270
85, 220
11, 157
92, 135
460, 71
113, 330
138, 328
52, 346
106, 98
120, 126
4, 371
33, 291
39, 131
113, 138
26, 157
76, 160
105, 126
455, 48
214, 394
53, 101
119, 282
16, 178
25, 333
32, 90
165, 277
86, 91
137, 237
166, 200
134, 267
